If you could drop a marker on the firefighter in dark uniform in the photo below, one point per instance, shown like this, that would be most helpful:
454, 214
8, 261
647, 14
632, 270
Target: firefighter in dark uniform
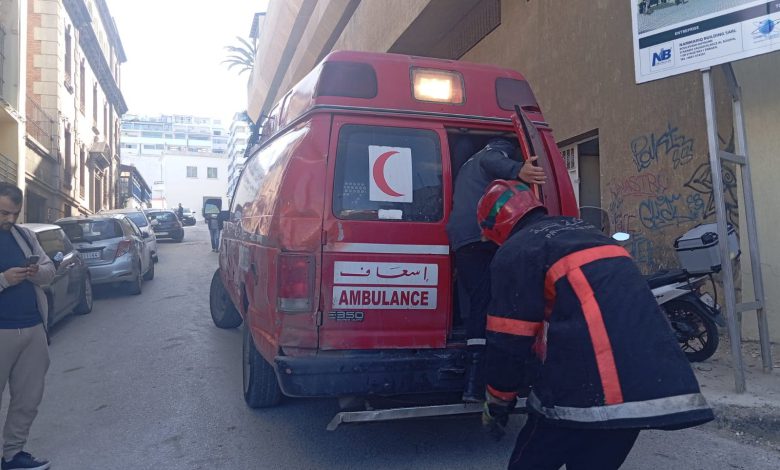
498, 159
571, 301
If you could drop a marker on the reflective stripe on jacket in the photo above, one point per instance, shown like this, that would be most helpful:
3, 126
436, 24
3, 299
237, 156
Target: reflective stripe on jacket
571, 306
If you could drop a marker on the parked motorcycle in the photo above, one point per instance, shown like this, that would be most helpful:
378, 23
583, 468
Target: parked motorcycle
692, 313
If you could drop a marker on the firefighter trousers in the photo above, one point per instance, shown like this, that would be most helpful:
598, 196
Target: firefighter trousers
543, 445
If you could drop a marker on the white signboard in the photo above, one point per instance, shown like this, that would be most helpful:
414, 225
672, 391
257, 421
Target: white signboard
388, 274
676, 36
390, 173
384, 298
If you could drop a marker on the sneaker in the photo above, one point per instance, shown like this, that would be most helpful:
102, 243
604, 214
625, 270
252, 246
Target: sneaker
25, 461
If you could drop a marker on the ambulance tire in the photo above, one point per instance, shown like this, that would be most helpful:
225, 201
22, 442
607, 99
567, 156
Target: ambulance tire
261, 389
223, 313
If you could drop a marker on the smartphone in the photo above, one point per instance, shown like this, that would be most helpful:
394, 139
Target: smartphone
32, 259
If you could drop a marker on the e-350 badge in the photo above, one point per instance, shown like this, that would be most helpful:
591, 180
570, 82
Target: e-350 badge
342, 315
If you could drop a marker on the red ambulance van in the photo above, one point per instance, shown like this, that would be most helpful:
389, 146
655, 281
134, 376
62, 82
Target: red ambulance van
334, 253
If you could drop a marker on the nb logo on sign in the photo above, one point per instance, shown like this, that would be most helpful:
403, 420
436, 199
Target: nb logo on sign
662, 56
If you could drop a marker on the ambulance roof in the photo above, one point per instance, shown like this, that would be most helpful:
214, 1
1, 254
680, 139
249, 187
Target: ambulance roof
382, 82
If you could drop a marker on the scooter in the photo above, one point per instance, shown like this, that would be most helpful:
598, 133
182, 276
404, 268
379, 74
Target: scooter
692, 313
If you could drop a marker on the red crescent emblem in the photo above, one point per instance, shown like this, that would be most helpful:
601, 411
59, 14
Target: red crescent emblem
379, 174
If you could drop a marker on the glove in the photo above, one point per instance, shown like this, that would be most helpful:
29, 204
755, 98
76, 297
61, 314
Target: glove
495, 415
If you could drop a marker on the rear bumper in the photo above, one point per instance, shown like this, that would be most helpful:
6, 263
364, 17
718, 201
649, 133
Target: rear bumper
175, 233
386, 372
119, 271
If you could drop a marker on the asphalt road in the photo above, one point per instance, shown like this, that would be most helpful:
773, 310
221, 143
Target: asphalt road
147, 382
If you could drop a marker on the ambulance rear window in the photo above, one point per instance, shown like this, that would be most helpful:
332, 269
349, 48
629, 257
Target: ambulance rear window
388, 173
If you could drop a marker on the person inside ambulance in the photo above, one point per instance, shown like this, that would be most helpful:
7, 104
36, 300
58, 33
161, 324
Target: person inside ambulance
499, 159
572, 300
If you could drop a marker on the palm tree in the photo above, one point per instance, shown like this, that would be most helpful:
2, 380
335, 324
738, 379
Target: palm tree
242, 55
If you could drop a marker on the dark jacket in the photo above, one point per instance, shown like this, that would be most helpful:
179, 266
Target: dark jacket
491, 163
28, 242
568, 296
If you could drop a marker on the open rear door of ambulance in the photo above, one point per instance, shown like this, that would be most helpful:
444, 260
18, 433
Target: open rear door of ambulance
386, 278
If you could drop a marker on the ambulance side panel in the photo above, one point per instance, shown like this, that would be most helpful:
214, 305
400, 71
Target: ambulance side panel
277, 209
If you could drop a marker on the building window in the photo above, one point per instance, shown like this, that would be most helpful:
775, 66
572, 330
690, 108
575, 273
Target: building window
82, 171
68, 60
211, 172
192, 172
570, 157
68, 158
82, 86
94, 105
2, 57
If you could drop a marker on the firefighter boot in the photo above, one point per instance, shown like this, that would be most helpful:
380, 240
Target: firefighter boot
474, 391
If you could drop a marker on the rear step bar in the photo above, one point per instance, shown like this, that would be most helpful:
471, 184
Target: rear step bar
391, 414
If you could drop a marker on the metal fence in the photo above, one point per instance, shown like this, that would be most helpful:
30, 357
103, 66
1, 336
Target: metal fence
7, 169
42, 127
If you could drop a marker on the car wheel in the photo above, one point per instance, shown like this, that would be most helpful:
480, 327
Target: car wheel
150, 273
261, 388
87, 300
223, 312
179, 238
135, 285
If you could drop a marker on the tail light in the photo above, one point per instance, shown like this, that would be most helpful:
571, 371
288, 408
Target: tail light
123, 248
295, 282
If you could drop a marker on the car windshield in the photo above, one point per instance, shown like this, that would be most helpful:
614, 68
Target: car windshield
162, 216
139, 218
91, 230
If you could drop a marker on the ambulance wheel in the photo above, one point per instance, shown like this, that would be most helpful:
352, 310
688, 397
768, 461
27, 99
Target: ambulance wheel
696, 333
261, 389
223, 313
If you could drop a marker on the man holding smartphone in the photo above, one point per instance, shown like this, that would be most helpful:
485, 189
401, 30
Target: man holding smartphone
24, 353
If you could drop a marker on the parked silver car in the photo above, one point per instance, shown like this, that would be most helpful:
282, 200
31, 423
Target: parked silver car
138, 216
71, 289
113, 247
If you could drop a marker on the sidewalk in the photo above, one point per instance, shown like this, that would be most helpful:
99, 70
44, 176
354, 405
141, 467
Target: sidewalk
753, 416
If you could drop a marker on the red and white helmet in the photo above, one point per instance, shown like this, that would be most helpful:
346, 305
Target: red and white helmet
502, 206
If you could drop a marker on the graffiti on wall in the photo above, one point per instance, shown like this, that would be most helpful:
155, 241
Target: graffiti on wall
624, 216
670, 209
701, 183
666, 195
671, 144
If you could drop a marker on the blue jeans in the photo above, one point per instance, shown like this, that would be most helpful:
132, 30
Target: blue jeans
214, 238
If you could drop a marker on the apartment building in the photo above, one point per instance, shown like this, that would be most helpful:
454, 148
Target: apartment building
236, 149
73, 105
13, 26
183, 157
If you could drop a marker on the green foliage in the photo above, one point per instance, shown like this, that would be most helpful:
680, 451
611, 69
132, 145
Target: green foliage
242, 55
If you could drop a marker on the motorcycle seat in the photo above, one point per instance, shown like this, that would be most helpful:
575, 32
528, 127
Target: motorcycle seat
667, 276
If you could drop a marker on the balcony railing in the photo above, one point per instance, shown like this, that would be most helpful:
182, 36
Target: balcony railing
7, 169
42, 127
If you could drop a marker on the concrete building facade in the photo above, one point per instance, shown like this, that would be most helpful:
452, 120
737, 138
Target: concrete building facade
73, 106
637, 151
13, 46
182, 157
236, 149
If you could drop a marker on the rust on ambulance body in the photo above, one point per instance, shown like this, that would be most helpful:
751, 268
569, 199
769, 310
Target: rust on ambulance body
334, 252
